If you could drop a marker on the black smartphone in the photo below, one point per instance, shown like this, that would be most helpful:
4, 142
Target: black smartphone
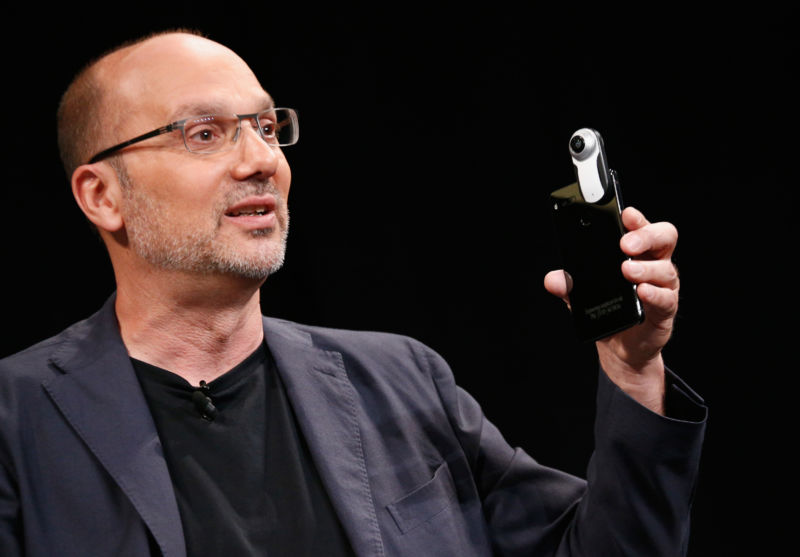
588, 227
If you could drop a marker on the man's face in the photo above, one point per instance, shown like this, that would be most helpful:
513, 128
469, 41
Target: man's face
214, 213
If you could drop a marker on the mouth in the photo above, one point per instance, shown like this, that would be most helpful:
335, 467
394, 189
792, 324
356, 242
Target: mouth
249, 211
254, 212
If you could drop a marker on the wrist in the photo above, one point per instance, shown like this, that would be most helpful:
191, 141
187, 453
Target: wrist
644, 382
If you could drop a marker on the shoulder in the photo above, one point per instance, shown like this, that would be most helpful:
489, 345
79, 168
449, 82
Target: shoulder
37, 362
33, 361
396, 357
358, 343
22, 376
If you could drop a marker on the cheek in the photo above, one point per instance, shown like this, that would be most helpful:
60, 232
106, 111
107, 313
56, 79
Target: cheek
283, 177
184, 193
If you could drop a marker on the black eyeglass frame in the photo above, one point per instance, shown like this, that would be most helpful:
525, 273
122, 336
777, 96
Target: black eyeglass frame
179, 125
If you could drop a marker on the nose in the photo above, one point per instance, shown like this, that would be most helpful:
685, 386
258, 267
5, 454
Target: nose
256, 158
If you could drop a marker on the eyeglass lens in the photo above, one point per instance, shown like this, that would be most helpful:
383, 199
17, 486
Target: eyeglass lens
212, 133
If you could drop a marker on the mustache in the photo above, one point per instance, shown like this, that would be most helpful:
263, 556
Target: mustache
253, 187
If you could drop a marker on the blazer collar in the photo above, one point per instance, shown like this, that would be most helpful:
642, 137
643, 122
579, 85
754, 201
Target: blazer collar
324, 402
100, 396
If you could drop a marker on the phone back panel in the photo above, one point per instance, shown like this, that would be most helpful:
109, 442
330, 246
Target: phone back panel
602, 300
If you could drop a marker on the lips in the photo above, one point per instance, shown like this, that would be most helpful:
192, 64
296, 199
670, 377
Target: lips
254, 212
248, 211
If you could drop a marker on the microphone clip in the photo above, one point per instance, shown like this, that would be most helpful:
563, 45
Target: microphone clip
202, 401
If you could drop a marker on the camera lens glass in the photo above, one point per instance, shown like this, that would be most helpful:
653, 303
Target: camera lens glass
577, 144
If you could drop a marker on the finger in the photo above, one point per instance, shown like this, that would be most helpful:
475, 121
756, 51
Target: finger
558, 283
654, 240
661, 272
660, 304
633, 219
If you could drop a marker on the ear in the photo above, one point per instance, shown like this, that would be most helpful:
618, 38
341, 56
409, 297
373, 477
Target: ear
98, 193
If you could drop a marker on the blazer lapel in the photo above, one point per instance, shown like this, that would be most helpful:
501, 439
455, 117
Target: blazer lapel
324, 401
100, 396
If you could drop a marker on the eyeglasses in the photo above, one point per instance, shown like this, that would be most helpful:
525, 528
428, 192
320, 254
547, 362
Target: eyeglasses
213, 133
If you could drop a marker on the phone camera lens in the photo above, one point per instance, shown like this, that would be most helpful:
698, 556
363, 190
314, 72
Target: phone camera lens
577, 144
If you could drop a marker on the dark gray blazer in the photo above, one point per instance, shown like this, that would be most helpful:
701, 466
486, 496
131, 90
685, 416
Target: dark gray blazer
409, 461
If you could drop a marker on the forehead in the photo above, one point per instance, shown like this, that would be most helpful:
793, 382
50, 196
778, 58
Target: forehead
176, 76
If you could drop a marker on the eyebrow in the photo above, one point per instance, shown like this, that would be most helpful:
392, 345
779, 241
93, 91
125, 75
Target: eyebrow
190, 109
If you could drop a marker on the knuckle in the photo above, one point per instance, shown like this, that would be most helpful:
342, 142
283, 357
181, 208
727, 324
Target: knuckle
671, 273
672, 231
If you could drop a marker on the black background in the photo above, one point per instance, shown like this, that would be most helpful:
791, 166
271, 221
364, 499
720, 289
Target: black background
431, 135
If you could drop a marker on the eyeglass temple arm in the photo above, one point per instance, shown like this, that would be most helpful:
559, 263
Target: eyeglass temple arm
106, 152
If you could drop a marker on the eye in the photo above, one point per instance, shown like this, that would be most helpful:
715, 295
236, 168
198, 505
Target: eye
202, 136
268, 127
206, 133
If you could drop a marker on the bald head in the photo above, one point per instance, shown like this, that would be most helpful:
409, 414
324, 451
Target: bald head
109, 94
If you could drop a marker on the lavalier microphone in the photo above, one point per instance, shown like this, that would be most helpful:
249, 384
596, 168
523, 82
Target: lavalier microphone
203, 403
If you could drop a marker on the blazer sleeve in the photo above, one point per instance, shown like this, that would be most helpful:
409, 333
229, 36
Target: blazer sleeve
640, 482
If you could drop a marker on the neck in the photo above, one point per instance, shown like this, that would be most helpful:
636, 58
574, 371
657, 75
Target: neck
195, 327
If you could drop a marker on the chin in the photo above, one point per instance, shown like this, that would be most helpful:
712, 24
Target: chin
255, 266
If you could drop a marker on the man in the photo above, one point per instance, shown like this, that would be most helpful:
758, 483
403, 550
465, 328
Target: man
177, 420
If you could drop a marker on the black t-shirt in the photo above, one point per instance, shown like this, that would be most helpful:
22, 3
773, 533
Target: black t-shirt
244, 480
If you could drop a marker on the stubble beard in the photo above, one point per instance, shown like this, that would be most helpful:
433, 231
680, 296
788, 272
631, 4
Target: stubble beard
152, 236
